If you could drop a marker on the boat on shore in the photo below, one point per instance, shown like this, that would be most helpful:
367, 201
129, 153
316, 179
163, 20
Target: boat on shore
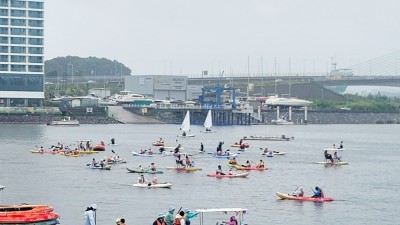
28, 215
65, 121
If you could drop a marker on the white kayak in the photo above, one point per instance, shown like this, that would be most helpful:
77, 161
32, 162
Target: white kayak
333, 163
150, 185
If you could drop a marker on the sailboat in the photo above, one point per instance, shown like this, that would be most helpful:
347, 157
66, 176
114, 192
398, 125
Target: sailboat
185, 127
208, 123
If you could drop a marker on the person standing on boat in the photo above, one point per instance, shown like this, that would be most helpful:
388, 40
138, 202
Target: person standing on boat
90, 215
201, 147
160, 220
113, 141
180, 218
219, 147
169, 218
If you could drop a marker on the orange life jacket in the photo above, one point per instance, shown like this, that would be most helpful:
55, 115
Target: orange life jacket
177, 221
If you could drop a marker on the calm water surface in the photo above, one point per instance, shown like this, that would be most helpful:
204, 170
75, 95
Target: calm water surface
365, 190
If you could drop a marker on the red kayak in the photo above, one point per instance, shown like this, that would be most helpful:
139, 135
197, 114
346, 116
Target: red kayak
304, 198
26, 214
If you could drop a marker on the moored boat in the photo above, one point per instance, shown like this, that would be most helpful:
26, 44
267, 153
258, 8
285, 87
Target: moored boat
304, 198
65, 121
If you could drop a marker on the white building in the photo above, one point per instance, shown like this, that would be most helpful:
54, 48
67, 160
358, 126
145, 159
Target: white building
21, 53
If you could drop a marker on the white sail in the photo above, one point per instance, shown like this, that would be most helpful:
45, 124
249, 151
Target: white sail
186, 122
208, 121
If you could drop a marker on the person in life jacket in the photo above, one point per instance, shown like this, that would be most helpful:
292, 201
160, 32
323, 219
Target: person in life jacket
232, 221
160, 219
180, 218
169, 218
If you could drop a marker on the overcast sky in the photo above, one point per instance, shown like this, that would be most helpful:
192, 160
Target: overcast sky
186, 37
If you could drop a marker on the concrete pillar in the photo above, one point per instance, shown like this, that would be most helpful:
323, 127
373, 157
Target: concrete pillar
290, 113
277, 112
305, 114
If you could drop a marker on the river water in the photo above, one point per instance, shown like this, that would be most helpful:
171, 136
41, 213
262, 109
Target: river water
364, 190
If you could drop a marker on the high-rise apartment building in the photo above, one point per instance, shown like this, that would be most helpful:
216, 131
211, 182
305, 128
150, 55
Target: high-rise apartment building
21, 53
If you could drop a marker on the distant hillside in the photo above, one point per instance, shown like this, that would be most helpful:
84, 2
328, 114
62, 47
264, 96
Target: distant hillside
90, 66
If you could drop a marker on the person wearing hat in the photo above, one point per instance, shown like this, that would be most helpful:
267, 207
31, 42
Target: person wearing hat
169, 218
90, 215
118, 221
122, 221
160, 219
189, 215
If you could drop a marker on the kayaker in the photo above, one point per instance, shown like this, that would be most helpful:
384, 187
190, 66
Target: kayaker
169, 218
152, 167
260, 164
141, 168
154, 181
233, 161
232, 221
118, 221
219, 170
90, 215
299, 192
317, 193
122, 221
180, 218
94, 163
151, 152
142, 180
328, 156
142, 151
183, 134
160, 220
188, 162
341, 145
247, 164
113, 141
161, 140
179, 161
162, 149
230, 172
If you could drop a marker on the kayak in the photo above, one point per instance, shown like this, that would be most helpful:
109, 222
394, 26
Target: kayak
250, 168
229, 176
236, 145
225, 156
150, 185
187, 169
105, 167
42, 152
28, 214
333, 149
137, 170
304, 198
117, 161
88, 152
99, 147
333, 163
145, 154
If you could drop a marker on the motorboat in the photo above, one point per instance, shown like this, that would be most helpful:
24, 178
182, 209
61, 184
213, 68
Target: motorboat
282, 121
279, 101
65, 121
